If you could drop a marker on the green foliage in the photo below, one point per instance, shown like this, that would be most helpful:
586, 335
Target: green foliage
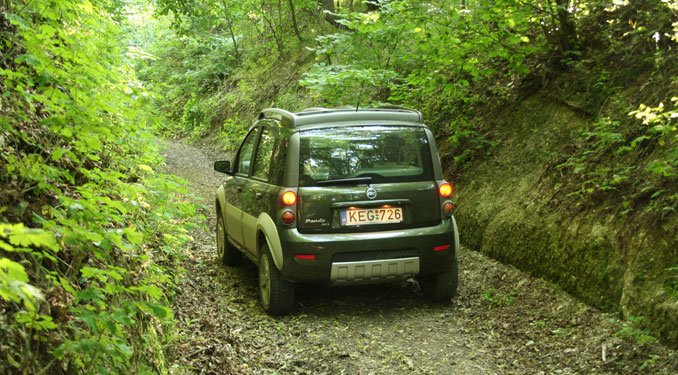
438, 57
660, 127
467, 141
337, 84
14, 281
605, 158
15, 286
626, 161
631, 329
89, 231
194, 117
232, 132
671, 280
496, 298
223, 59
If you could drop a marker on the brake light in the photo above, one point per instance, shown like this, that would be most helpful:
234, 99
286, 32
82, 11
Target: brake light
441, 248
287, 217
289, 198
304, 256
445, 190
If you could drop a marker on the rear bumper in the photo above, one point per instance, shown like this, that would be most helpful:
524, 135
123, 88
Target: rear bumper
370, 257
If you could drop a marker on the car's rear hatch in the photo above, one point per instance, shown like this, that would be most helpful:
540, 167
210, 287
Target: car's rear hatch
366, 178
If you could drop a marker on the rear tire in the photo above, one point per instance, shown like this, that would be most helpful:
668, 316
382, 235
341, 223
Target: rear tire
275, 293
228, 254
441, 287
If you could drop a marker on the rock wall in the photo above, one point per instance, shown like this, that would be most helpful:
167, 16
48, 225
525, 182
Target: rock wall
508, 211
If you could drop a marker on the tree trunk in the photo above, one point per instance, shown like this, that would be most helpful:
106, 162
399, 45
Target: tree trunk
567, 35
280, 43
328, 5
371, 7
329, 10
229, 23
294, 20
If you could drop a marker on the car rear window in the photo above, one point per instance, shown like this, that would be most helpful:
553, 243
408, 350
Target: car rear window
374, 154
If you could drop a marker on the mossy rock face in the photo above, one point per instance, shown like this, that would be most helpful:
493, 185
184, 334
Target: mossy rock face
581, 258
649, 288
505, 211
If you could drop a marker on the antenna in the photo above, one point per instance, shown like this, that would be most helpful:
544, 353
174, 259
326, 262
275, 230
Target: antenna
362, 85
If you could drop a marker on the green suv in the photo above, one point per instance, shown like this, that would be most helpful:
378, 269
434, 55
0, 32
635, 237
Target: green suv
339, 197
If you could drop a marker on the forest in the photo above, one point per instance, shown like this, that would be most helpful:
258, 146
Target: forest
556, 119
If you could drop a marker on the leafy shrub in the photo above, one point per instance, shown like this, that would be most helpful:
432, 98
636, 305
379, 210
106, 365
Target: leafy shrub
89, 232
337, 85
467, 141
671, 280
632, 330
233, 132
604, 160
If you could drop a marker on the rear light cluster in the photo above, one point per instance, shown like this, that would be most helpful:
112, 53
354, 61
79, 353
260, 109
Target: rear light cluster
445, 191
287, 217
289, 200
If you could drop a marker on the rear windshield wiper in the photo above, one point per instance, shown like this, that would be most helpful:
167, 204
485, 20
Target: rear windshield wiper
345, 181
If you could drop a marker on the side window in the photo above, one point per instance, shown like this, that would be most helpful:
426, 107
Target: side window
245, 154
262, 165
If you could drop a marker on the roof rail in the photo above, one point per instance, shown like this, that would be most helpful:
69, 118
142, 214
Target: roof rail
315, 109
319, 115
395, 106
286, 117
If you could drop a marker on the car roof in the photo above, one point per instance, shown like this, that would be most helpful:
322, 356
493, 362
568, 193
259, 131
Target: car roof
328, 117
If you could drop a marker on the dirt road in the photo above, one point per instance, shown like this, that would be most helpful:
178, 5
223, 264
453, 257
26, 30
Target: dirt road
503, 321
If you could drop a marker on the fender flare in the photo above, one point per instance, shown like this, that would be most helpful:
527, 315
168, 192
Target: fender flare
267, 226
220, 198
456, 235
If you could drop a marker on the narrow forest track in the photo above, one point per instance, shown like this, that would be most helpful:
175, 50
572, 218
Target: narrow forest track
503, 321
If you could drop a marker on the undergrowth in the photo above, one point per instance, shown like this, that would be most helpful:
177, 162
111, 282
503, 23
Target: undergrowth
607, 155
90, 232
626, 160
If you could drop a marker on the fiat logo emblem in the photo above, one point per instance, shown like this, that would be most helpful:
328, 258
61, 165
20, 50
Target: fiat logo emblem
371, 192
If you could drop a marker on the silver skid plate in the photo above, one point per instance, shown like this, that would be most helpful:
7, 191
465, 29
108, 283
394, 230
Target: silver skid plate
373, 270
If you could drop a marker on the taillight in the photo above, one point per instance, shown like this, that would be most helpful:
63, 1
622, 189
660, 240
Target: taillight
287, 217
305, 256
289, 198
441, 248
445, 190
448, 207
